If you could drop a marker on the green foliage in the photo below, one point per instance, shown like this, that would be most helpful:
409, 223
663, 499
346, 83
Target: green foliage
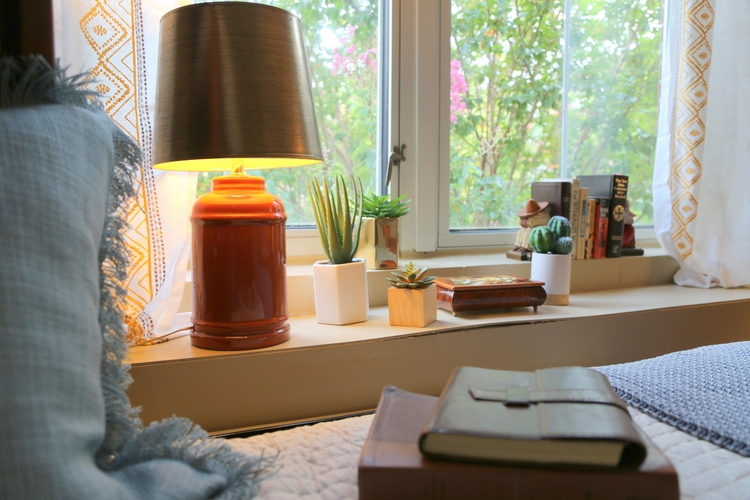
383, 207
511, 133
338, 217
411, 277
552, 238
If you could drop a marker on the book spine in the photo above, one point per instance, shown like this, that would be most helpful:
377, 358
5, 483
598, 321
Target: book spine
565, 199
602, 230
617, 201
591, 227
575, 213
583, 223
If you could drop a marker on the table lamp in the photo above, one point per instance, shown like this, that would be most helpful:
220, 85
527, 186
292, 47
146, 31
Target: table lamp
233, 92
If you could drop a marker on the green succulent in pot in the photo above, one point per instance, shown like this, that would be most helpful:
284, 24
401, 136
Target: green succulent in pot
411, 277
338, 216
383, 207
553, 238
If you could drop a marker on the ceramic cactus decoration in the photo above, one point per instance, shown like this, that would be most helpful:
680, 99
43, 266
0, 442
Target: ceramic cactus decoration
553, 238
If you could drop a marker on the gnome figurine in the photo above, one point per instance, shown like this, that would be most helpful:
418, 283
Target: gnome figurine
533, 214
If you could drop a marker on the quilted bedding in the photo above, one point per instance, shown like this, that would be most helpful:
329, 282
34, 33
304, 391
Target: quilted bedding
320, 461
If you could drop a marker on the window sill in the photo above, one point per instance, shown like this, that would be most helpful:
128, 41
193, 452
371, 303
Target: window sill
655, 267
333, 370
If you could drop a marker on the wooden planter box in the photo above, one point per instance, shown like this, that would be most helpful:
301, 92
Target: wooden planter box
412, 307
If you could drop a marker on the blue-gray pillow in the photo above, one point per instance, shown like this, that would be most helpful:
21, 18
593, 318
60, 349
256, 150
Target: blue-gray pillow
66, 428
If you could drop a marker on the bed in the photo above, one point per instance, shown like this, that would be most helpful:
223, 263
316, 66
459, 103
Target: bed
320, 461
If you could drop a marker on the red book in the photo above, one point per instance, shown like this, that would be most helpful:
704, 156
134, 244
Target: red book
391, 467
601, 234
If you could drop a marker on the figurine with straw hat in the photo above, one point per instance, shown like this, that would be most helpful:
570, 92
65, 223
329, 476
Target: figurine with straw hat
533, 214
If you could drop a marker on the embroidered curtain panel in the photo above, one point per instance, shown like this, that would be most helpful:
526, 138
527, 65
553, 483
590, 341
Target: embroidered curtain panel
701, 172
116, 41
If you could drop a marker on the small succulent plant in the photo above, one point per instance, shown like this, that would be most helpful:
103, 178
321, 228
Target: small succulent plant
338, 217
383, 207
552, 238
411, 277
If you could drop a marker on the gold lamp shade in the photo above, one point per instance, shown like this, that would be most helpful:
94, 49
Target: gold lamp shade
233, 88
234, 92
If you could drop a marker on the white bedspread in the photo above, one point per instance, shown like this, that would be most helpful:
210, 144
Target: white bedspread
320, 461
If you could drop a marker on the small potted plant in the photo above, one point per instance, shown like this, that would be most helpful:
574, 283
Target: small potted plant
340, 283
412, 297
551, 261
379, 242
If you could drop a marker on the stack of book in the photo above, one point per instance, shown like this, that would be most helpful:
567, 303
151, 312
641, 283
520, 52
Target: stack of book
558, 433
595, 206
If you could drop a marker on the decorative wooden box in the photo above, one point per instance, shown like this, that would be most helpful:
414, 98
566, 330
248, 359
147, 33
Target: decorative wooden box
469, 293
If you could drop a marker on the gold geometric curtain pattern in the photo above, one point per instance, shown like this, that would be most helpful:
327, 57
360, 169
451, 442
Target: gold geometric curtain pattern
689, 120
114, 32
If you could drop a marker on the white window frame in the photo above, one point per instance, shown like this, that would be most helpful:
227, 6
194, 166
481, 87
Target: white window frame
421, 45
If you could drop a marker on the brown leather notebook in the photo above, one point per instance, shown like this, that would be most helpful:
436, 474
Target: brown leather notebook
392, 467
555, 416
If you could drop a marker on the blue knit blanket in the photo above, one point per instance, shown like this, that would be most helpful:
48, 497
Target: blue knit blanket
704, 392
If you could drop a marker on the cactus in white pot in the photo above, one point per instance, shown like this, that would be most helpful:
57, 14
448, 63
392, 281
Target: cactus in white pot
551, 261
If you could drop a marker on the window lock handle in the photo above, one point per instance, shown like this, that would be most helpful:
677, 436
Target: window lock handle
395, 160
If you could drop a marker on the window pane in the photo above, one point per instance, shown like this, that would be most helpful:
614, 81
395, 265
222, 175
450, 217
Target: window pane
613, 93
507, 116
342, 41
506, 74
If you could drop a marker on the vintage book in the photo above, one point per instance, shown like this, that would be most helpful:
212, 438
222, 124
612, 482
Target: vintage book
568, 415
583, 224
575, 213
601, 233
591, 227
483, 293
614, 187
557, 192
392, 468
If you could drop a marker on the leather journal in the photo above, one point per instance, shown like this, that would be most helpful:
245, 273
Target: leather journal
554, 416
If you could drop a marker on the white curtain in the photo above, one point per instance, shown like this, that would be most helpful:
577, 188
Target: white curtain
702, 169
117, 40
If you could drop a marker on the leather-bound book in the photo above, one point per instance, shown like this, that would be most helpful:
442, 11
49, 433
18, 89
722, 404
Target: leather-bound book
567, 415
557, 192
391, 467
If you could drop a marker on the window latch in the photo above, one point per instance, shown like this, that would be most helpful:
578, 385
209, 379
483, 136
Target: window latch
395, 160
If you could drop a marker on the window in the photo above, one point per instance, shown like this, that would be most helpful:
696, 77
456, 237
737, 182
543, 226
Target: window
342, 39
491, 100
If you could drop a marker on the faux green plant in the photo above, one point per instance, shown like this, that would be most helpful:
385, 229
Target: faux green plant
552, 238
383, 207
338, 216
411, 277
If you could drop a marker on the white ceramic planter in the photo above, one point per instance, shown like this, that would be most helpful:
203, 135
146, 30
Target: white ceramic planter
554, 270
340, 292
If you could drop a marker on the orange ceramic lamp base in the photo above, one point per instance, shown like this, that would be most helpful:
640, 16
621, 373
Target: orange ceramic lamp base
239, 266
